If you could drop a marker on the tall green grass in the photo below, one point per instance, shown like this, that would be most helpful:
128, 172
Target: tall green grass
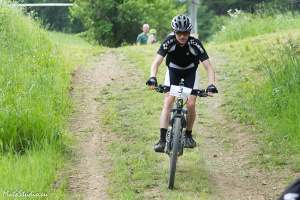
239, 25
278, 100
33, 84
263, 81
35, 77
33, 173
34, 104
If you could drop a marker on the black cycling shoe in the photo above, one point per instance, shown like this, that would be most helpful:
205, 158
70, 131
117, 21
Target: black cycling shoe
189, 142
160, 146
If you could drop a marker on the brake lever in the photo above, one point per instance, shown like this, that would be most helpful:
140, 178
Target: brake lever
160, 88
202, 93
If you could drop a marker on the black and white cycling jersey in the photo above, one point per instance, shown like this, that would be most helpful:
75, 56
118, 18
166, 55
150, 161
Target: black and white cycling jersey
182, 56
182, 61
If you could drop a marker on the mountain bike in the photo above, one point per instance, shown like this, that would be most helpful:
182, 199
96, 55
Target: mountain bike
175, 137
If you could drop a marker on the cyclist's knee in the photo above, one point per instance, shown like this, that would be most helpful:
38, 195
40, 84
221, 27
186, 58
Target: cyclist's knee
169, 100
191, 104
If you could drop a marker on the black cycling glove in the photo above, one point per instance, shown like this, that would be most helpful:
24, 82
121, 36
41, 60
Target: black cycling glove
212, 88
152, 81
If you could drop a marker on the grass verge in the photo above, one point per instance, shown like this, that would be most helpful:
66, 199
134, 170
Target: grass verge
34, 100
262, 81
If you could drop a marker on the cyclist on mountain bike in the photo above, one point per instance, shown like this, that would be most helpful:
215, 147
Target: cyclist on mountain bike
184, 53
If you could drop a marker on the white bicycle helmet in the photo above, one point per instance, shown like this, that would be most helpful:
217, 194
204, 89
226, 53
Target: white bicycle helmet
181, 23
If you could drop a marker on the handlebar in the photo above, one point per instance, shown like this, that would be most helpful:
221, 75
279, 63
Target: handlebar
163, 89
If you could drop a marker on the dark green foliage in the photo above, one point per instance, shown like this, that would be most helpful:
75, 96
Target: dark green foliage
206, 21
116, 22
113, 22
55, 18
278, 5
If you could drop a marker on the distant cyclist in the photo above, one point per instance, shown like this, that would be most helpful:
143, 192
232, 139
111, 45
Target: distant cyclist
184, 53
142, 38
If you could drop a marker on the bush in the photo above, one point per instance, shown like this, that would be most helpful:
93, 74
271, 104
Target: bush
112, 23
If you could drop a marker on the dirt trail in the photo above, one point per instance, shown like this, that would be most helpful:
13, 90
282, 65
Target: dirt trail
226, 145
227, 148
91, 162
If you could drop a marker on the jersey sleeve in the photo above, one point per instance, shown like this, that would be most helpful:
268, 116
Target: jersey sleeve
166, 45
203, 54
200, 49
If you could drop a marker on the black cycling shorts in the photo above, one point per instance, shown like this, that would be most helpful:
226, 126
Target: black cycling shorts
190, 76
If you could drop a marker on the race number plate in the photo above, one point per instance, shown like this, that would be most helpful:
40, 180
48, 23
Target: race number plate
175, 91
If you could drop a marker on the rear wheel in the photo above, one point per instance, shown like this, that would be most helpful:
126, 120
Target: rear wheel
174, 152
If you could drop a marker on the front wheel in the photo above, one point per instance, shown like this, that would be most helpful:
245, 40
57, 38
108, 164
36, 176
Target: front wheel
177, 128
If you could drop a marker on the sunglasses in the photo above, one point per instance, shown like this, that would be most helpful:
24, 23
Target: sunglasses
185, 33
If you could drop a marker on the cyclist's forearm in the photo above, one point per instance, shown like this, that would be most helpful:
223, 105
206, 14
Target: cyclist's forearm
211, 76
154, 67
210, 72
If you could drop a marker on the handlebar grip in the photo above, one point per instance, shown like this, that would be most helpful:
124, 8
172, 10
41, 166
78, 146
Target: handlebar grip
202, 93
160, 88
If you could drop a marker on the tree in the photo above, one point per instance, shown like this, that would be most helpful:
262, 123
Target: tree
113, 22
206, 20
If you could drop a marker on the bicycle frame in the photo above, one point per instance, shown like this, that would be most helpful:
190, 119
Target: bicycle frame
177, 112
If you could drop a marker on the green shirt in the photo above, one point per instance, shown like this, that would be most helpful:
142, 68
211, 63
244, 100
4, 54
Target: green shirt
142, 38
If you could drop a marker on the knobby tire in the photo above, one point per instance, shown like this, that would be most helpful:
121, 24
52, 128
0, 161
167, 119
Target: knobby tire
174, 152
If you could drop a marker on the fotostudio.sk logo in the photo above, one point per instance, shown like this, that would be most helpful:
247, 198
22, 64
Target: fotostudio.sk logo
22, 194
